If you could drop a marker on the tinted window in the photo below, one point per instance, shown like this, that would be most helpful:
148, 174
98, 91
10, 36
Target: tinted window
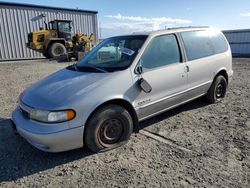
197, 44
161, 51
219, 42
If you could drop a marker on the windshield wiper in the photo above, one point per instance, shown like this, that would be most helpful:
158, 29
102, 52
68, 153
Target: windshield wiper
92, 67
72, 67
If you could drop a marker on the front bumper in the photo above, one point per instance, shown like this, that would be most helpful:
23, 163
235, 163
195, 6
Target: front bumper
62, 140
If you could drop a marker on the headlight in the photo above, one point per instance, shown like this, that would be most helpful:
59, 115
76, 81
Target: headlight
52, 117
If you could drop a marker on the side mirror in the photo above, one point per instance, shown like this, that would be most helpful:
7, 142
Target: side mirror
138, 70
144, 85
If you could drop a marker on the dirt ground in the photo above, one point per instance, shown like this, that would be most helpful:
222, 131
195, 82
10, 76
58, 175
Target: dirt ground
195, 145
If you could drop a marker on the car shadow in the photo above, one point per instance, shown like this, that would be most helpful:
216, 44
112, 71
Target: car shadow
198, 103
19, 159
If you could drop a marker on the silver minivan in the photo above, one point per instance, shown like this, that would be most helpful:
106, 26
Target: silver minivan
99, 101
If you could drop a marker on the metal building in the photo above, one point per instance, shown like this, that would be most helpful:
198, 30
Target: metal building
239, 41
17, 20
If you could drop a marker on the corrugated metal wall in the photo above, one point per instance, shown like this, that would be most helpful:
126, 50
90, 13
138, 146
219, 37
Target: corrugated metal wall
17, 21
239, 41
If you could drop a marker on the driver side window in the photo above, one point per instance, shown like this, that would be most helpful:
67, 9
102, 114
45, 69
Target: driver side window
162, 51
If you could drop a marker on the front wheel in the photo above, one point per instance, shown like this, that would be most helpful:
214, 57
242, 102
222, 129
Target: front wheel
217, 90
108, 128
56, 50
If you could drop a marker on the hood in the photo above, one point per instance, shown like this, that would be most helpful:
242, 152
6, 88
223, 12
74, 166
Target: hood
56, 89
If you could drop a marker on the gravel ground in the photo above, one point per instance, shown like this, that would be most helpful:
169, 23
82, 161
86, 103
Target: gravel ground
196, 145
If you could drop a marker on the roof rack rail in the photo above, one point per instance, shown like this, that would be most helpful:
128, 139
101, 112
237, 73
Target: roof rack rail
187, 27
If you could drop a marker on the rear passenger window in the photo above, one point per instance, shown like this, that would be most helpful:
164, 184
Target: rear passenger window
219, 42
161, 51
197, 44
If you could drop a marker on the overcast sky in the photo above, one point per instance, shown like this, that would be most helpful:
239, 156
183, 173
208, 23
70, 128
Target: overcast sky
117, 17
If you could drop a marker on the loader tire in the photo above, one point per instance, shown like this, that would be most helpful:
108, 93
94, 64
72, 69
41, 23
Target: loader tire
56, 50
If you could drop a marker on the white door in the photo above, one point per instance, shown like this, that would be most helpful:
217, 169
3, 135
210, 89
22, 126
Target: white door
199, 52
164, 70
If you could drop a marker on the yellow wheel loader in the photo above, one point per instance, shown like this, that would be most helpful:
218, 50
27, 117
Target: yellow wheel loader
57, 40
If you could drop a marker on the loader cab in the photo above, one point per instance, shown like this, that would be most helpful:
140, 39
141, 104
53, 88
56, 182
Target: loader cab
63, 28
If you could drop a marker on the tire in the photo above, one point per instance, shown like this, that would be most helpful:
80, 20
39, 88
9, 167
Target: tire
56, 50
217, 91
108, 128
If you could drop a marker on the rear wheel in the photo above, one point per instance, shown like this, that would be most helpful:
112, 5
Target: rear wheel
217, 90
110, 127
56, 50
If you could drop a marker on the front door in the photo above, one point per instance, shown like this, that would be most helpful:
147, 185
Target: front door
164, 70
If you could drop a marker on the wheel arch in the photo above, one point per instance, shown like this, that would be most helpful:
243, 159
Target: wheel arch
125, 104
222, 72
52, 41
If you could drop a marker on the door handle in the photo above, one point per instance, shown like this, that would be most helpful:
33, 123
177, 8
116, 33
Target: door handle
186, 68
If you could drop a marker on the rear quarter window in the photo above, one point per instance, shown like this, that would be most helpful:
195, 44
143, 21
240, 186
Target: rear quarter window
219, 42
197, 44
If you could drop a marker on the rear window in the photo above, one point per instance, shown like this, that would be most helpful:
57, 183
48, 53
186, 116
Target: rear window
219, 42
199, 44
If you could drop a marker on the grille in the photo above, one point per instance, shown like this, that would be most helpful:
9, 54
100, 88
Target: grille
40, 38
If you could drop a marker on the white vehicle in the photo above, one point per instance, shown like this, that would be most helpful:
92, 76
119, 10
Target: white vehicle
99, 101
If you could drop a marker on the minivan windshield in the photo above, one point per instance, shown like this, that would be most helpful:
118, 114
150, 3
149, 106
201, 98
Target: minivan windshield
112, 54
